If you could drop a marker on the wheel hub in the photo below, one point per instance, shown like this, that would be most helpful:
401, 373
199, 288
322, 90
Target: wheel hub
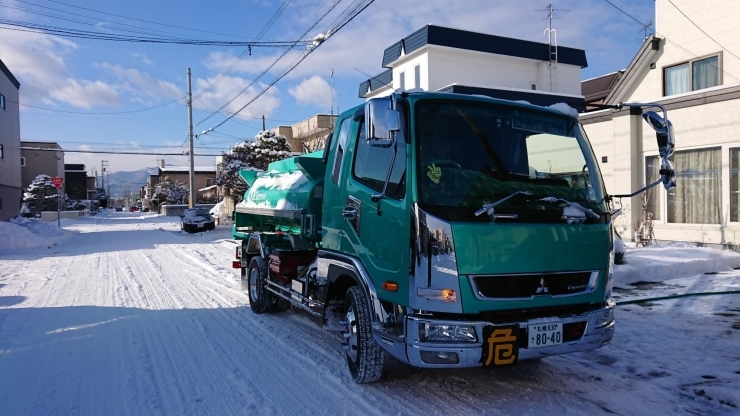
253, 276
350, 334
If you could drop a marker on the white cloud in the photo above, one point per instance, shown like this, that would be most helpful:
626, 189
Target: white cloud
228, 88
86, 94
314, 90
141, 84
143, 58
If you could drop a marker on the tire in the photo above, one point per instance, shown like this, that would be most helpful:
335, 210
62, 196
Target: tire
261, 300
364, 355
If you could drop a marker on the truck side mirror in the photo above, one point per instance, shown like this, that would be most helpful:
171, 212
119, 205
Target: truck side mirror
664, 135
663, 132
381, 122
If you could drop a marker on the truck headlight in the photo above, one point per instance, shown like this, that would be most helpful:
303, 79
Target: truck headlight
447, 333
609, 278
606, 317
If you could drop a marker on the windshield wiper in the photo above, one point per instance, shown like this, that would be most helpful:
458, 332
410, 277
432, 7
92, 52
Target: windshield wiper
489, 208
580, 213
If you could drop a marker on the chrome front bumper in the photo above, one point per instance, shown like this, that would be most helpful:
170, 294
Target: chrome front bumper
469, 353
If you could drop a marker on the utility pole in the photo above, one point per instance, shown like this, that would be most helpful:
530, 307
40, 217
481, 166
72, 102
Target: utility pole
191, 203
263, 122
331, 90
103, 172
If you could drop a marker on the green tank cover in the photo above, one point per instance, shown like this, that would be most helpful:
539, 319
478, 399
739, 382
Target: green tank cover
281, 197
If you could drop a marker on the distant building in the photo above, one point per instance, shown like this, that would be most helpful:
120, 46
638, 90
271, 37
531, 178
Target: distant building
37, 162
204, 177
10, 145
308, 135
75, 180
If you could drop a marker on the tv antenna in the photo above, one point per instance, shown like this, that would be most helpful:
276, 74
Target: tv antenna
646, 29
552, 37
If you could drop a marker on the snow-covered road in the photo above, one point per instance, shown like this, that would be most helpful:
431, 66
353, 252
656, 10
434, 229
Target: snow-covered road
131, 316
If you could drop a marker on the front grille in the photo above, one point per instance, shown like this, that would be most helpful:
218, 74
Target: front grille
517, 286
522, 315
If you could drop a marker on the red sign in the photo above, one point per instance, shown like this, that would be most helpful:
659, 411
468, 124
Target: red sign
57, 182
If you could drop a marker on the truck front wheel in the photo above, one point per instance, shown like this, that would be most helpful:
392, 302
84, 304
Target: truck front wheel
364, 355
260, 299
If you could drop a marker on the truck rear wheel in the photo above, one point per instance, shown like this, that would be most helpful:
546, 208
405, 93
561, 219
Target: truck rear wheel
260, 299
364, 355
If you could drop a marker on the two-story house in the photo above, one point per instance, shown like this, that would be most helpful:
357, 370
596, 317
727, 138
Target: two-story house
692, 67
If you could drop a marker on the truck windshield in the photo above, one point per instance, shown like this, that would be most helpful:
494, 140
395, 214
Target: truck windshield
471, 154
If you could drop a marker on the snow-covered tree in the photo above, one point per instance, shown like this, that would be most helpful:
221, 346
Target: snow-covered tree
172, 191
41, 195
267, 147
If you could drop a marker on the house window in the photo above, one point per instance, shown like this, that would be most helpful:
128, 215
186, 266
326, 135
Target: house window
691, 76
1, 152
417, 76
402, 79
735, 185
652, 169
697, 197
533, 86
23, 161
2, 101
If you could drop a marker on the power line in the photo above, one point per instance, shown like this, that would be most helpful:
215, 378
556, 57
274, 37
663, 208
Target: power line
144, 21
702, 30
96, 23
265, 71
241, 56
111, 152
362, 5
85, 34
88, 113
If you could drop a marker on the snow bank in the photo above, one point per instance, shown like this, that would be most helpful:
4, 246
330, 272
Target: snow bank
668, 261
23, 233
219, 211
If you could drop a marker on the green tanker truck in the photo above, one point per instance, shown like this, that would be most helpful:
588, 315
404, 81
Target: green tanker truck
448, 230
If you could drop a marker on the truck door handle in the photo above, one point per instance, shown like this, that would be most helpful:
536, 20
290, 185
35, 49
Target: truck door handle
349, 212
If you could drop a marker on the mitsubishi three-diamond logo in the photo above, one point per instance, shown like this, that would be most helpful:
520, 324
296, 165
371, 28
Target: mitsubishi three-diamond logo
542, 288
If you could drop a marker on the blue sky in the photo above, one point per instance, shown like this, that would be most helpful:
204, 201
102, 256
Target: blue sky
92, 76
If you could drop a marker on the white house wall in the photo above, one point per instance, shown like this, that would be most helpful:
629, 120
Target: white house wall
682, 41
443, 66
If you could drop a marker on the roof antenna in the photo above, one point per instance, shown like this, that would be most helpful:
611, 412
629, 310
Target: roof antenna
646, 28
552, 46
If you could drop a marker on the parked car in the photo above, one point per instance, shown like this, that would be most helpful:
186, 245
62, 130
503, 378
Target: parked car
133, 208
119, 207
196, 219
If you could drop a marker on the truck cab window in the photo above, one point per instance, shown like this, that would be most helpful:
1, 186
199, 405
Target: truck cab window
371, 165
341, 144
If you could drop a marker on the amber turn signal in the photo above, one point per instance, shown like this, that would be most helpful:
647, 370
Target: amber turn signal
390, 286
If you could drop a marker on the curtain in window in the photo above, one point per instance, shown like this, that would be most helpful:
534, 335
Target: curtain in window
677, 79
652, 174
706, 73
696, 199
735, 185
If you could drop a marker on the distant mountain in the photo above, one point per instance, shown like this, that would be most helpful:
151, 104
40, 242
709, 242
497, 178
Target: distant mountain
134, 180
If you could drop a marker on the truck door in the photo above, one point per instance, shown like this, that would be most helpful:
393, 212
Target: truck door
377, 232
